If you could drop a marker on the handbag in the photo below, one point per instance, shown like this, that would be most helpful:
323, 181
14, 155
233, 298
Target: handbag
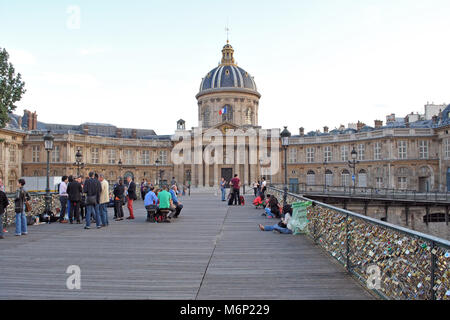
91, 200
27, 206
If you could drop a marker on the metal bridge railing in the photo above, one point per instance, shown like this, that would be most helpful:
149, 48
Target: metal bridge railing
397, 262
350, 191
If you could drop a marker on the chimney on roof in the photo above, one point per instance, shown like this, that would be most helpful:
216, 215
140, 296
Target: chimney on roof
360, 125
325, 129
34, 122
407, 121
378, 124
19, 122
85, 129
302, 131
27, 118
134, 133
341, 127
434, 119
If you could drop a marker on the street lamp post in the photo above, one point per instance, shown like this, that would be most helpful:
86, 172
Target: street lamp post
78, 163
352, 164
48, 145
285, 134
120, 167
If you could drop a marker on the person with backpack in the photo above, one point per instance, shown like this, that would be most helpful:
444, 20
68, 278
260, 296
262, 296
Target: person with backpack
92, 190
19, 203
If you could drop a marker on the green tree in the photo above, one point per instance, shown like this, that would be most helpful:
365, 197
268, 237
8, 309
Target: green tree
11, 88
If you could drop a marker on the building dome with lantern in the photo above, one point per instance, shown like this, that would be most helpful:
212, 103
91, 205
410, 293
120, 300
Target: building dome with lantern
229, 94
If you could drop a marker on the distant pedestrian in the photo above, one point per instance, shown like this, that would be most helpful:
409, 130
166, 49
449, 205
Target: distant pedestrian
223, 184
104, 200
74, 191
92, 190
119, 190
2, 188
236, 185
19, 202
63, 197
131, 196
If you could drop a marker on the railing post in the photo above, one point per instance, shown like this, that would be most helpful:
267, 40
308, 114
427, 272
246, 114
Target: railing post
433, 268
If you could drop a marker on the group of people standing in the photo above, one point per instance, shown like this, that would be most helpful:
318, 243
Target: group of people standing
89, 199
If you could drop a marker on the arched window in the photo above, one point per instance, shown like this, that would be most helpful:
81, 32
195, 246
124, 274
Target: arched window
328, 177
310, 178
206, 117
227, 113
362, 178
248, 116
345, 178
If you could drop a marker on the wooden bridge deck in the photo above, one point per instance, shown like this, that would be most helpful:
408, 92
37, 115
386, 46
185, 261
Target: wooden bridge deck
211, 252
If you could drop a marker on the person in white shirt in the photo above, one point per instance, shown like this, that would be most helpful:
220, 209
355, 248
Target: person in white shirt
63, 196
283, 225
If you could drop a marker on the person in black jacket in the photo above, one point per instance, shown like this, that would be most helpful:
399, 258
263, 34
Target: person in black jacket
92, 188
19, 201
3, 205
131, 196
119, 190
74, 191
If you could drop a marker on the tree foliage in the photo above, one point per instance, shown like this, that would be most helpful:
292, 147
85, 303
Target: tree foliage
11, 88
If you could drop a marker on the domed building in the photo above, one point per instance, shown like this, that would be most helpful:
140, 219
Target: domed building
228, 93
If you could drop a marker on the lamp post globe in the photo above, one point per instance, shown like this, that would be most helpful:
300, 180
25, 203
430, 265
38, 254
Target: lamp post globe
285, 134
48, 145
352, 164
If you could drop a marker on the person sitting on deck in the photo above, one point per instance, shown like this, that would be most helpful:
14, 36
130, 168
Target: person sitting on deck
272, 209
151, 203
165, 202
283, 225
176, 202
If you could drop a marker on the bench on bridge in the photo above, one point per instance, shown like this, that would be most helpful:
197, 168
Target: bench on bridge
156, 215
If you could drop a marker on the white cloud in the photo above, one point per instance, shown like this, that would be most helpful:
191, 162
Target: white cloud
74, 80
91, 51
21, 57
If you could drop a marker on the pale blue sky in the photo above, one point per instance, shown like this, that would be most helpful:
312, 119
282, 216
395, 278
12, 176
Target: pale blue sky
139, 63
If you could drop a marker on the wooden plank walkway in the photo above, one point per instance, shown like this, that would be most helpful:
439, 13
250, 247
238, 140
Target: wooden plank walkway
211, 252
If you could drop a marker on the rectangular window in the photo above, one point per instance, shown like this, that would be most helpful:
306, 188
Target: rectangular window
292, 155
95, 155
128, 156
145, 157
361, 151
402, 149
111, 156
56, 154
309, 155
377, 151
447, 148
36, 150
163, 156
379, 182
327, 155
423, 149
344, 153
12, 153
402, 183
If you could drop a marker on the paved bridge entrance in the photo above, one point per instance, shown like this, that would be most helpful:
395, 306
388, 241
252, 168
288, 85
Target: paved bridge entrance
211, 252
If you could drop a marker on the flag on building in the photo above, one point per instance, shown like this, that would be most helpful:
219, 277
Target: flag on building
223, 110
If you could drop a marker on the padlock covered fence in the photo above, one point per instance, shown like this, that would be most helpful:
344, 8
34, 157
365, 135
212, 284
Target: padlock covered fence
392, 261
37, 206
